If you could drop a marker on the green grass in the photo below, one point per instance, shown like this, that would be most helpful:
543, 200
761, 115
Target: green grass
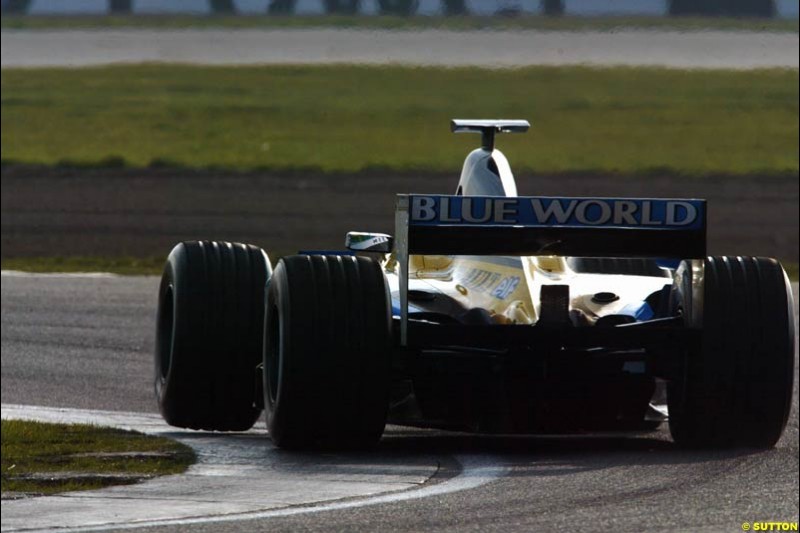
125, 265
37, 448
350, 118
533, 22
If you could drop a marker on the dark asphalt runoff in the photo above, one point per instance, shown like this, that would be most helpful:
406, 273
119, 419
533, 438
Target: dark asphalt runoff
144, 212
86, 342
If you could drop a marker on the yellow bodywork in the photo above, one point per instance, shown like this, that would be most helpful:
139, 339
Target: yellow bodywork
501, 285
508, 287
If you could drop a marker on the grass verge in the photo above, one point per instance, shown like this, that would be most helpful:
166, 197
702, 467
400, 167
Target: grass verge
150, 266
44, 458
469, 22
351, 118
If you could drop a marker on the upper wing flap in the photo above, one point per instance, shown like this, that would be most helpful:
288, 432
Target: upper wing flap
533, 225
538, 211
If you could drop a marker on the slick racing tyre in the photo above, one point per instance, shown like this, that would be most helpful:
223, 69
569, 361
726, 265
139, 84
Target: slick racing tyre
327, 352
209, 335
735, 389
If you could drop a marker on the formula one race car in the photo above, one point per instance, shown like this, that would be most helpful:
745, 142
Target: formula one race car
485, 312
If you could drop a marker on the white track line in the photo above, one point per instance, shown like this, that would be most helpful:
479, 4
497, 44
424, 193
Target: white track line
476, 471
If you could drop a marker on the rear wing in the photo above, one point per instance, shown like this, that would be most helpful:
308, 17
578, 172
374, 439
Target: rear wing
535, 225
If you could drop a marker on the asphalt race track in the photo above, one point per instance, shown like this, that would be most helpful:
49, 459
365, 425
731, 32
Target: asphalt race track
675, 49
85, 342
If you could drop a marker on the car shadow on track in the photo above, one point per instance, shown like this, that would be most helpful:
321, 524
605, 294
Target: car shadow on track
419, 452
653, 447
551, 455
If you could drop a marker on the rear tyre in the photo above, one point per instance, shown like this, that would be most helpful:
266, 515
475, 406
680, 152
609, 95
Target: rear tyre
327, 352
209, 335
736, 387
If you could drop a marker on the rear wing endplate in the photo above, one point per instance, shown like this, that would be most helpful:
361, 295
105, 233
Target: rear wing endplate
534, 225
